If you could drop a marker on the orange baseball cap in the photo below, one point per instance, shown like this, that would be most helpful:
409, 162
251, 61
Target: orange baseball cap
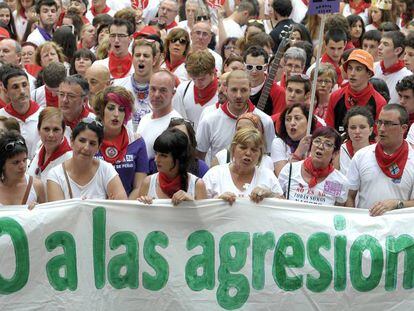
362, 57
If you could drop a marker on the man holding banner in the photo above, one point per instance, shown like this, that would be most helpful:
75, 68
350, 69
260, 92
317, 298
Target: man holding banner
385, 168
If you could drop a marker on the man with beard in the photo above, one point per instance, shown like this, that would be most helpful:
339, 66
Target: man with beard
21, 108
167, 12
47, 12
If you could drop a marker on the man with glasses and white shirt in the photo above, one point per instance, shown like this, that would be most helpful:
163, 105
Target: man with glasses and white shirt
385, 168
167, 13
256, 60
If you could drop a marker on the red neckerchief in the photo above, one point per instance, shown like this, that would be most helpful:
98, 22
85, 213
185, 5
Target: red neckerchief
394, 67
226, 110
139, 4
316, 172
33, 69
356, 43
115, 150
321, 111
411, 118
104, 11
61, 150
51, 100
201, 97
22, 13
349, 45
326, 59
119, 66
2, 103
84, 114
169, 186
350, 148
172, 25
392, 165
85, 20
32, 109
79, 45
172, 66
360, 7
361, 98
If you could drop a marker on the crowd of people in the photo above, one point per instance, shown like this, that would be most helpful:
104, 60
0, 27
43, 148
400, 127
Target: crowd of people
195, 99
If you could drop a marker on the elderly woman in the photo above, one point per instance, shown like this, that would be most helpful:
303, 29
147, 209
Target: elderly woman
55, 148
17, 187
325, 82
173, 179
292, 143
120, 147
315, 180
84, 176
243, 177
177, 46
359, 125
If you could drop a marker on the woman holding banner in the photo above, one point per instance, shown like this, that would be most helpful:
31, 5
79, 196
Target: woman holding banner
315, 180
172, 155
242, 177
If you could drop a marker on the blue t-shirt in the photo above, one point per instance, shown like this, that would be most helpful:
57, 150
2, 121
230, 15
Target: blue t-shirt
135, 161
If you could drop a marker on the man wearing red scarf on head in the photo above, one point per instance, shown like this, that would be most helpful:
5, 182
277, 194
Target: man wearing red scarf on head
119, 61
358, 92
21, 108
216, 129
192, 97
167, 12
383, 174
391, 68
73, 101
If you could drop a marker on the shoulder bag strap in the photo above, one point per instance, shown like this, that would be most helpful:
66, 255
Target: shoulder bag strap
290, 177
67, 181
26, 193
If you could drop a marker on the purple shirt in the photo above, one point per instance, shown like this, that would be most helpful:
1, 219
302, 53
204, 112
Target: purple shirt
135, 161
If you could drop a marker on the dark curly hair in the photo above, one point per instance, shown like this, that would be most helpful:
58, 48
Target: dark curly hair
11, 144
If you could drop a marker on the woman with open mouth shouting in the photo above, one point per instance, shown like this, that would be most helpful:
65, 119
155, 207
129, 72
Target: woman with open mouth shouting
315, 180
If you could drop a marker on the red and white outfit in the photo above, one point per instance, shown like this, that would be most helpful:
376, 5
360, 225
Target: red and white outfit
106, 62
91, 13
152, 190
27, 123
216, 129
71, 125
391, 76
366, 176
218, 180
184, 102
334, 188
45, 97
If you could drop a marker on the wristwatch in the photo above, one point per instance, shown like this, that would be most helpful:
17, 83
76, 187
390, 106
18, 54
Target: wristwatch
400, 204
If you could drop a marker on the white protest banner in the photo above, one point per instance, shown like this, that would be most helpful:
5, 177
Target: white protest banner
277, 255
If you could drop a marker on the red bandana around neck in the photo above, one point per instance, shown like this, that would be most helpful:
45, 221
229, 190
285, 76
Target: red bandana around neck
411, 118
83, 114
104, 11
394, 67
32, 109
172, 66
392, 165
169, 186
316, 173
119, 66
61, 150
139, 4
33, 69
51, 100
22, 13
201, 97
172, 25
225, 108
115, 150
361, 98
360, 7
350, 148
326, 59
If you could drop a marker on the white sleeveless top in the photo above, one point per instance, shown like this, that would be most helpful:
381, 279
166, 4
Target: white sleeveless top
152, 191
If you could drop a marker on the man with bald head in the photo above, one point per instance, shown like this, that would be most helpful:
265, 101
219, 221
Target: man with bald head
98, 78
10, 52
161, 92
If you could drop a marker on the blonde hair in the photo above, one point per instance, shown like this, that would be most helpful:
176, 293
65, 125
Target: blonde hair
199, 63
50, 112
103, 49
49, 45
246, 135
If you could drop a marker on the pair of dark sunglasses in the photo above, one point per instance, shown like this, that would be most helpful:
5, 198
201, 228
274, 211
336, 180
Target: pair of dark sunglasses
182, 41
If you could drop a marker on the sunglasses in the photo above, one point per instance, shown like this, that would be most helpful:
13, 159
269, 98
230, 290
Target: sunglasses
91, 121
177, 121
202, 18
182, 41
255, 67
11, 145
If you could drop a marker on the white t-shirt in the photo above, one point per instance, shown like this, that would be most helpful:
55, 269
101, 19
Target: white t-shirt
90, 16
185, 104
372, 184
410, 135
150, 129
347, 11
391, 80
216, 130
344, 159
191, 190
96, 188
222, 155
280, 150
334, 188
232, 28
36, 37
218, 180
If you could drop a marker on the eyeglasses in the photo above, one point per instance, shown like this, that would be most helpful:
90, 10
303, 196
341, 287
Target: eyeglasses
326, 81
202, 18
119, 35
93, 121
11, 145
296, 67
326, 144
69, 96
386, 123
255, 67
177, 121
182, 41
